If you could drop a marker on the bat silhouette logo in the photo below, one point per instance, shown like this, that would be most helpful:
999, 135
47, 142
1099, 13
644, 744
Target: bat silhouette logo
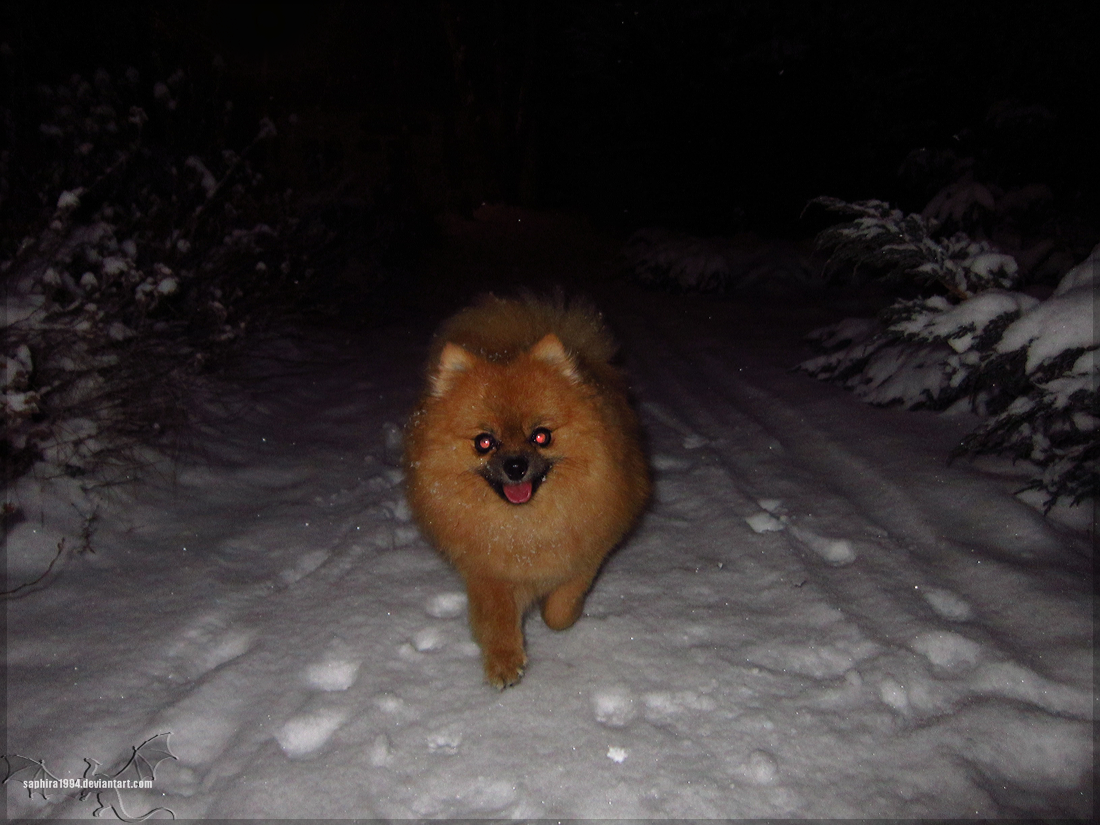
142, 765
30, 770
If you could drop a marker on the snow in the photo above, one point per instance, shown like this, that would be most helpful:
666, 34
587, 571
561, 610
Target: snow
961, 324
115, 265
816, 618
763, 523
1086, 273
69, 199
987, 264
1062, 322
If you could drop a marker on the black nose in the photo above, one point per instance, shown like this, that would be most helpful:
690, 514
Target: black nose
515, 467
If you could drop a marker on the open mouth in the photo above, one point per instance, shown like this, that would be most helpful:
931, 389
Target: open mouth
518, 492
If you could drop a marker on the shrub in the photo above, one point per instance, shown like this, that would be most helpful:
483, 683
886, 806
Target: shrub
1028, 366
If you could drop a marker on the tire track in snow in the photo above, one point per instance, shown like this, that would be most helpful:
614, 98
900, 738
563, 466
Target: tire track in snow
928, 591
742, 460
960, 576
758, 468
788, 459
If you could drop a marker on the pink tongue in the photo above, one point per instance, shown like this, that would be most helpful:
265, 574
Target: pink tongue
518, 493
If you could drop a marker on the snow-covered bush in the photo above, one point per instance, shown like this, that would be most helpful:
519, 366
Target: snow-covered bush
884, 243
685, 263
1049, 353
1028, 365
144, 259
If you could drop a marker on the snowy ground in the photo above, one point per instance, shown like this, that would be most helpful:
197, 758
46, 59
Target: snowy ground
817, 617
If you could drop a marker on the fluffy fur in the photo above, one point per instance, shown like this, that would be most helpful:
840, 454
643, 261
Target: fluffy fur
524, 464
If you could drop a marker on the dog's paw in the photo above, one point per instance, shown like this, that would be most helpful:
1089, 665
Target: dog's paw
504, 668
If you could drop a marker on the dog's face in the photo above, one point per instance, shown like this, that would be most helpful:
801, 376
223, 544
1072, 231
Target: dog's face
510, 421
519, 463
516, 463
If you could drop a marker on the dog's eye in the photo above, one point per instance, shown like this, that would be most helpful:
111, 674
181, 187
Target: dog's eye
541, 437
484, 442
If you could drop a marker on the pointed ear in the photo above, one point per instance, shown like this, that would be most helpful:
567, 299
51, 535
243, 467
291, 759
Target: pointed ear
453, 361
550, 350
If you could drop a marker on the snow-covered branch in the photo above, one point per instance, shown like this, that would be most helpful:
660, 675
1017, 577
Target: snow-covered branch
1028, 365
130, 283
883, 242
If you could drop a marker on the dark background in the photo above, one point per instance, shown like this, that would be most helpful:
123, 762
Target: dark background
710, 116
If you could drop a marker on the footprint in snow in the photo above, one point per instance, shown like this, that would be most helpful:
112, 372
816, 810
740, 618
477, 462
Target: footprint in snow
428, 640
947, 651
837, 552
332, 674
761, 768
894, 694
204, 645
445, 742
303, 735
764, 523
446, 605
947, 604
771, 520
613, 706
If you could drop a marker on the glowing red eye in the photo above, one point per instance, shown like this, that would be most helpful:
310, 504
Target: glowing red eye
484, 442
541, 437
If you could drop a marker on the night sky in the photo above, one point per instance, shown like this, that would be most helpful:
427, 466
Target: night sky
713, 116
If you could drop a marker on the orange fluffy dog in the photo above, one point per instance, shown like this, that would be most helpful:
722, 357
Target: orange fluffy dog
524, 464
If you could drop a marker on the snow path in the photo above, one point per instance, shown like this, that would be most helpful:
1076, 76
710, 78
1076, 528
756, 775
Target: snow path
817, 617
